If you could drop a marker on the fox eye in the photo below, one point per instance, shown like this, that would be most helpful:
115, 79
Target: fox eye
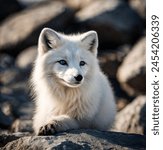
82, 63
62, 62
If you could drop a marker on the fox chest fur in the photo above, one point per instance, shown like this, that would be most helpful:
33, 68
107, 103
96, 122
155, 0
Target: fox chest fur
72, 102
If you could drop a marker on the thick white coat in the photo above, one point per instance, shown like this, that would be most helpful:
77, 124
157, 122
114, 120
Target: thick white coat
88, 104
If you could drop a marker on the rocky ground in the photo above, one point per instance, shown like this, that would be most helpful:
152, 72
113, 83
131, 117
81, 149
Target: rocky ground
120, 25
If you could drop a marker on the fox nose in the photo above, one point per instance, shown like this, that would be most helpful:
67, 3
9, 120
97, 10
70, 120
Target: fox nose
78, 77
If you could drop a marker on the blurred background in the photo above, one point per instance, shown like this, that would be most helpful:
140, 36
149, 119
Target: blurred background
120, 25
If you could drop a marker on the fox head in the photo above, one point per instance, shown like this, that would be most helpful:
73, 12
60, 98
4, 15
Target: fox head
68, 59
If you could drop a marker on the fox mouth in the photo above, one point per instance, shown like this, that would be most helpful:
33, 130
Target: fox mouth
70, 84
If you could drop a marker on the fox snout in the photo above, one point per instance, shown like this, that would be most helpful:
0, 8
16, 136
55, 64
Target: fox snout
78, 78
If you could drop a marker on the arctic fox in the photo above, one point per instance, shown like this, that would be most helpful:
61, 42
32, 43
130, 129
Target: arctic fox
70, 90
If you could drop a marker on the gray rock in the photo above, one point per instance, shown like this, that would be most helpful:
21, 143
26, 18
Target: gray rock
14, 91
9, 76
8, 7
110, 60
6, 112
132, 119
27, 25
26, 58
6, 137
26, 110
132, 72
80, 139
9, 73
108, 63
6, 108
76, 4
6, 62
115, 22
5, 121
121, 103
17, 104
139, 6
4, 131
22, 125
7, 98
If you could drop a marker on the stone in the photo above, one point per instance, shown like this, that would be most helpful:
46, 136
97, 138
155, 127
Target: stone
132, 119
5, 121
121, 103
10, 73
6, 137
6, 108
115, 22
110, 60
9, 7
139, 6
27, 25
4, 131
17, 104
108, 63
78, 4
9, 76
6, 62
7, 98
7, 105
132, 72
81, 139
26, 58
22, 125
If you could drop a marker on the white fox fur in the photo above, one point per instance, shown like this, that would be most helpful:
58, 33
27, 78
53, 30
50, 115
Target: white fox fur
62, 101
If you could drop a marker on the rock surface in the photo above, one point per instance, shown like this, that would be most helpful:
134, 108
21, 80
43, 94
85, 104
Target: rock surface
6, 138
6, 61
25, 33
110, 60
80, 139
132, 73
26, 58
5, 121
139, 6
9, 7
124, 29
78, 4
22, 125
132, 118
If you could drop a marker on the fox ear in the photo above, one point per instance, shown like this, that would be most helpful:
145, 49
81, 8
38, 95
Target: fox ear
48, 39
90, 41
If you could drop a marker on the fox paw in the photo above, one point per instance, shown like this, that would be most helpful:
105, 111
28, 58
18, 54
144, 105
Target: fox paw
49, 129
